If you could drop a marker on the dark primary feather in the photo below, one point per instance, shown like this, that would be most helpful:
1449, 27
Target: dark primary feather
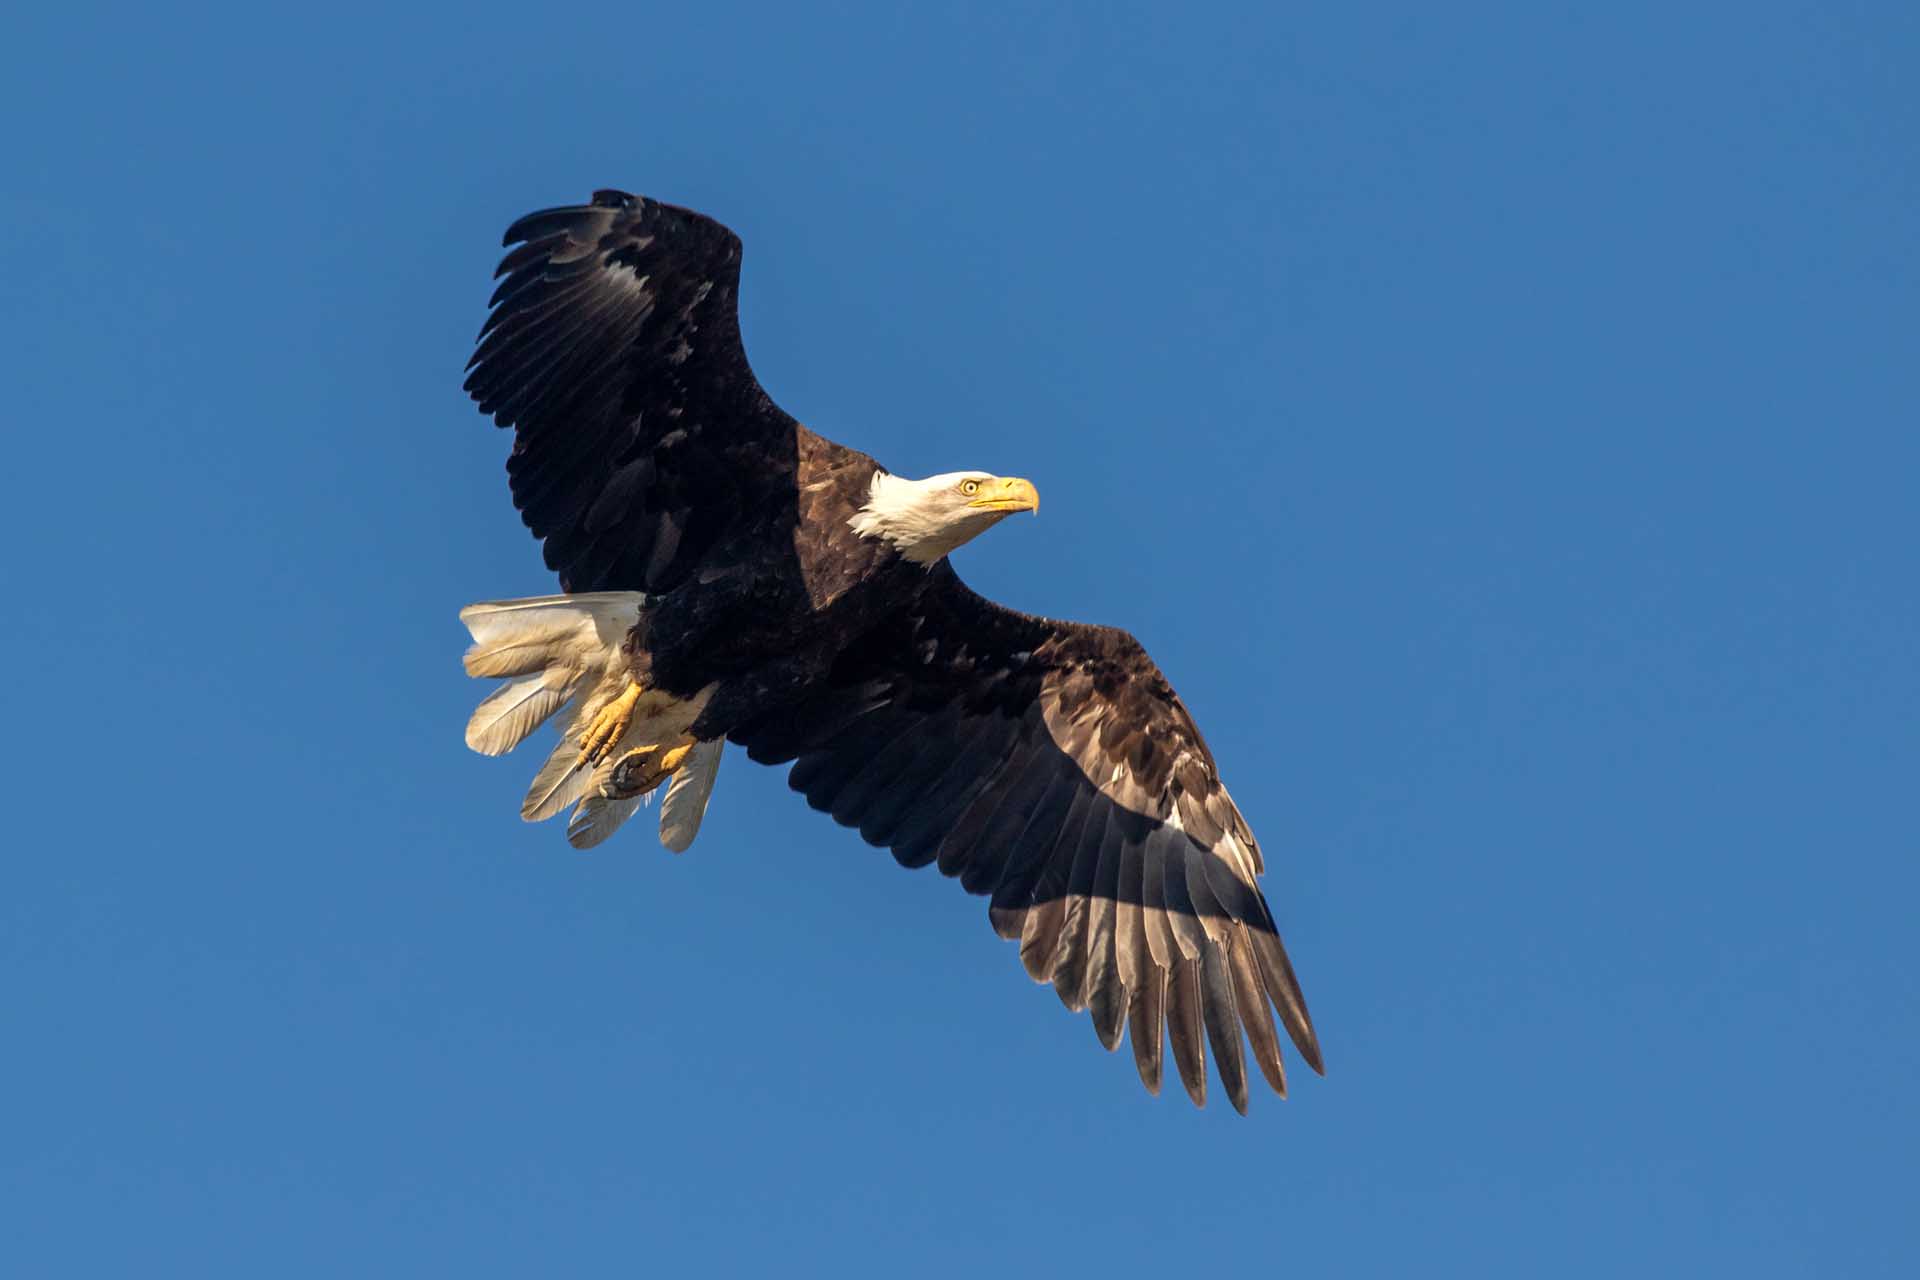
1050, 766
613, 350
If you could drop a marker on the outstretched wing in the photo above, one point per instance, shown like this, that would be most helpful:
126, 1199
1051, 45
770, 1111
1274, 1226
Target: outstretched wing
1050, 765
613, 351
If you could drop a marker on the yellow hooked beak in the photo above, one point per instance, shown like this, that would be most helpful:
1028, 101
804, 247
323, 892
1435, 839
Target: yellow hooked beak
1009, 493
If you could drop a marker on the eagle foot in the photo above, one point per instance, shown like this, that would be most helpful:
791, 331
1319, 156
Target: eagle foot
644, 768
609, 726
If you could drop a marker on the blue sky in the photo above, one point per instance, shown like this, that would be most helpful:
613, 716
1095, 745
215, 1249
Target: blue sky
1499, 420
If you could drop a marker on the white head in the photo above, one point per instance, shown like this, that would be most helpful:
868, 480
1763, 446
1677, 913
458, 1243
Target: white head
925, 519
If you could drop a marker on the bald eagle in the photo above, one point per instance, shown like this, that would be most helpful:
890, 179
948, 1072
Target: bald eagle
731, 576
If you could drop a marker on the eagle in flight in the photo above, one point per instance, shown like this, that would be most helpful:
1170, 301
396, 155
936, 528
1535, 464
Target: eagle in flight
732, 576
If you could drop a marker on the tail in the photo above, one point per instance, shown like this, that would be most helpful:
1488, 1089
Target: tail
687, 796
563, 656
557, 647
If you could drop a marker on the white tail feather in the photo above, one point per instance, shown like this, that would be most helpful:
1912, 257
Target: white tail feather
687, 795
568, 652
559, 782
566, 655
598, 817
491, 618
514, 637
518, 707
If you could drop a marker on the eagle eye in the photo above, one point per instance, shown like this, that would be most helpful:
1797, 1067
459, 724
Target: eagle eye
970, 487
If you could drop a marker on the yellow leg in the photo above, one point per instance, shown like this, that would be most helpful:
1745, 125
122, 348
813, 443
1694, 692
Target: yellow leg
674, 757
608, 726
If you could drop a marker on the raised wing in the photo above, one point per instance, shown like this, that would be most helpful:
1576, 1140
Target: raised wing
613, 351
1051, 766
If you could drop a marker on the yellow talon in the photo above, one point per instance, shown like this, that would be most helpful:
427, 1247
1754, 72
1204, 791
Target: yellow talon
644, 768
609, 726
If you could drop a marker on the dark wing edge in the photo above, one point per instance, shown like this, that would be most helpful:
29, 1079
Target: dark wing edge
1050, 767
613, 350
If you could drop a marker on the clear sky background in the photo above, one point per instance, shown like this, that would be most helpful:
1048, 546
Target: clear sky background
1499, 420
